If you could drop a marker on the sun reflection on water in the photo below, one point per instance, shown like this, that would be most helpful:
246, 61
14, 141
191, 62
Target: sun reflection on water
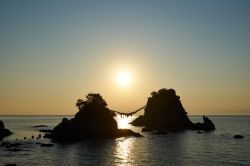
123, 152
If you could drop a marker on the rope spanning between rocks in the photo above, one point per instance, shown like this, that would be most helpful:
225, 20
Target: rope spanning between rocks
130, 113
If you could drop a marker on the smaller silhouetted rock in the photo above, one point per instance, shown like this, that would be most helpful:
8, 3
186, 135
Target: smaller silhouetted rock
199, 132
238, 136
39, 126
46, 145
207, 125
3, 131
10, 165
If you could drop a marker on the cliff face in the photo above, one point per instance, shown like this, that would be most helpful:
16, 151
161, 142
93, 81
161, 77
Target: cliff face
164, 111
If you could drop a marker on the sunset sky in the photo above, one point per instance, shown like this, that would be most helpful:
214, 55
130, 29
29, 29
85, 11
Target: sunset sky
54, 52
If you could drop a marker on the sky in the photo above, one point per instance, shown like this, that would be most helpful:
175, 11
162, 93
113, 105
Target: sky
55, 52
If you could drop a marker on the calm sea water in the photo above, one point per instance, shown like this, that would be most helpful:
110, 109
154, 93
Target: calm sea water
180, 148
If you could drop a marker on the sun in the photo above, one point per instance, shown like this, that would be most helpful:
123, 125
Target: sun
124, 78
123, 122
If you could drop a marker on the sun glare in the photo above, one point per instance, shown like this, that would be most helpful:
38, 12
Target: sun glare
123, 122
124, 78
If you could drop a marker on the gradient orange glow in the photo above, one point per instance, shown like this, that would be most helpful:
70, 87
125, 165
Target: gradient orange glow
51, 56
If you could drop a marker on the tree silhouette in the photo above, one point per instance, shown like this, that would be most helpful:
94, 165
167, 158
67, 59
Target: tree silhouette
91, 99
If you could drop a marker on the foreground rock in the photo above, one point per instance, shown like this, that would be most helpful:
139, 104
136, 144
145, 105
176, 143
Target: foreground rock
94, 120
3, 131
164, 111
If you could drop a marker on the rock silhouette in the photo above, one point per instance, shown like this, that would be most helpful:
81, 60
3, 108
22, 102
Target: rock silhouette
238, 136
164, 111
10, 165
94, 120
3, 131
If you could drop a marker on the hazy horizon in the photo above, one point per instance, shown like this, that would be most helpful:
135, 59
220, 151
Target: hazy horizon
53, 53
193, 115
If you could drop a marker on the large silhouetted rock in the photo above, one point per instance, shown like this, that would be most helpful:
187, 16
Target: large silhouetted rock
164, 111
3, 131
94, 120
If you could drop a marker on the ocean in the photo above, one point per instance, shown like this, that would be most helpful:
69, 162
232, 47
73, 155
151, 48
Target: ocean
174, 148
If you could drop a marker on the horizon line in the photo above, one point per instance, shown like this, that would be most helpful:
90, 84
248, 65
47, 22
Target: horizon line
137, 115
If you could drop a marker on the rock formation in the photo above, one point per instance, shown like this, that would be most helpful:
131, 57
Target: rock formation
237, 136
3, 131
94, 120
164, 111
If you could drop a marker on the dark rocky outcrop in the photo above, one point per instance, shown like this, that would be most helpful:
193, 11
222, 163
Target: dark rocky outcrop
238, 136
40, 126
207, 125
3, 131
94, 120
10, 165
164, 111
